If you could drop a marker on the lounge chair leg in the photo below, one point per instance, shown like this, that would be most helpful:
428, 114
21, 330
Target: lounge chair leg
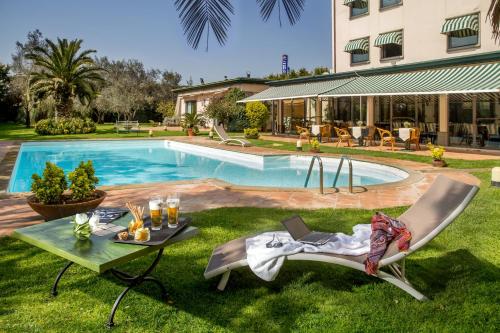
400, 281
223, 281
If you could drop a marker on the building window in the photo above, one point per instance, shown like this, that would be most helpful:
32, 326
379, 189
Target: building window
392, 51
359, 50
457, 42
190, 107
391, 44
389, 3
357, 7
462, 31
357, 58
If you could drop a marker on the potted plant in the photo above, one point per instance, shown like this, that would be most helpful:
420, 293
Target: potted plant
190, 123
51, 197
315, 146
437, 153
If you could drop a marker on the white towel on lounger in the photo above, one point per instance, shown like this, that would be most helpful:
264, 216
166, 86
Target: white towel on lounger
266, 262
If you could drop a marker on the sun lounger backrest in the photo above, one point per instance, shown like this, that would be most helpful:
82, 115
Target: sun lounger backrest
433, 212
221, 132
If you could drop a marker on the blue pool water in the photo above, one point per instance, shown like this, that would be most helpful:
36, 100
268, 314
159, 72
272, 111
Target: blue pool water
149, 161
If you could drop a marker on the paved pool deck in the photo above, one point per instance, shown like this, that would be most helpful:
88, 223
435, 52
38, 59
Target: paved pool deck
208, 194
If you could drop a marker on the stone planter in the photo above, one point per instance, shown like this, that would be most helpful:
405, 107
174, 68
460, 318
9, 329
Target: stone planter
190, 131
439, 163
52, 212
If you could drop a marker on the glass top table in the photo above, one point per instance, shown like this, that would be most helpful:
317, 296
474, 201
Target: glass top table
99, 253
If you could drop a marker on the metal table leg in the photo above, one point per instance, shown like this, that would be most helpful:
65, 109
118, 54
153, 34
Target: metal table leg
134, 281
61, 272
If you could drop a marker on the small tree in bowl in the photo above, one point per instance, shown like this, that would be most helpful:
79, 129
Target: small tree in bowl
437, 153
52, 200
315, 146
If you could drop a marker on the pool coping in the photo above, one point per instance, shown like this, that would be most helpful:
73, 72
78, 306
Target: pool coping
11, 158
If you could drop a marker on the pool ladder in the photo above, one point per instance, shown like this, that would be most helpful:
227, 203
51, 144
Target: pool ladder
320, 163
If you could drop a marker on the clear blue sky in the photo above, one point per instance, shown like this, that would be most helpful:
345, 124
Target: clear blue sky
151, 32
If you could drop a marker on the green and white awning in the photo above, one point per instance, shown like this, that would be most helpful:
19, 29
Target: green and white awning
360, 45
356, 3
484, 78
462, 26
395, 37
291, 91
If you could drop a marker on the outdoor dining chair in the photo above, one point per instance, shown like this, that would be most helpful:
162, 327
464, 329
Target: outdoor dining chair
415, 137
343, 136
386, 137
369, 138
304, 133
326, 132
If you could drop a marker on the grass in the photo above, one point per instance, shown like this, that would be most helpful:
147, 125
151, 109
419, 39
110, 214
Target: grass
20, 132
452, 163
459, 271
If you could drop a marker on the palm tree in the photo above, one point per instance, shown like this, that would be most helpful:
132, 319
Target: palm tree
65, 73
200, 15
494, 16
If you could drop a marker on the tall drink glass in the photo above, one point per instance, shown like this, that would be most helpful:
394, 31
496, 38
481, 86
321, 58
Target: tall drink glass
173, 203
155, 210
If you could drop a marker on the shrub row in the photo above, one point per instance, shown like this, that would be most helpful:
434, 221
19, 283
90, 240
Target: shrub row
65, 126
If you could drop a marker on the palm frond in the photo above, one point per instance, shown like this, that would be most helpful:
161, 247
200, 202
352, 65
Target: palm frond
198, 15
494, 17
293, 9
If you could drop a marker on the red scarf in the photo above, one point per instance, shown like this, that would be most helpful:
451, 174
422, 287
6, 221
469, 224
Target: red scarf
384, 230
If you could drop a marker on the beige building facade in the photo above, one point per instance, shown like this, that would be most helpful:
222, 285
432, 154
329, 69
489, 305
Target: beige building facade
197, 98
420, 23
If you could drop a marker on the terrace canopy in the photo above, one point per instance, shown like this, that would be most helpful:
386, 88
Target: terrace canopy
303, 90
473, 79
484, 78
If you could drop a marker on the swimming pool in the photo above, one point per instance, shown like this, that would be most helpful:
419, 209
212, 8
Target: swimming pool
148, 161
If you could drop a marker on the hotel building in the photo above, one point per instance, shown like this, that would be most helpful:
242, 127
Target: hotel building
433, 64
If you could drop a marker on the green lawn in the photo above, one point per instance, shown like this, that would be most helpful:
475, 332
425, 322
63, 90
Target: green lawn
459, 271
20, 132
452, 163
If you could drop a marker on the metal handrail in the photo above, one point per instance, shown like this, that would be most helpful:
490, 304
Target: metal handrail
340, 168
320, 162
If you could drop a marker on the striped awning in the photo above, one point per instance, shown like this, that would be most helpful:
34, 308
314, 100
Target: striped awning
462, 26
360, 45
356, 3
302, 90
473, 79
395, 37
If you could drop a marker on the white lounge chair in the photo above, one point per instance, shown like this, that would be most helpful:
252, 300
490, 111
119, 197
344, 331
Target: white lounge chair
226, 139
430, 215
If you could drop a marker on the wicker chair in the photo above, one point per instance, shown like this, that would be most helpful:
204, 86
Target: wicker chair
415, 137
304, 133
370, 137
326, 132
343, 136
386, 137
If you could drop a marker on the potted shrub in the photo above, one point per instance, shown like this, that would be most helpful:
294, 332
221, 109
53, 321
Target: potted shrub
51, 197
437, 153
251, 133
190, 123
315, 146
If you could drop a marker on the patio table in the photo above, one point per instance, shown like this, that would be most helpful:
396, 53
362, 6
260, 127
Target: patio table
99, 253
405, 134
358, 132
